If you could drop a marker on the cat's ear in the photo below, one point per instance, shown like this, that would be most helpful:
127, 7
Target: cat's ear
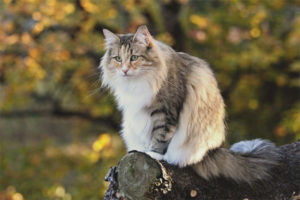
110, 37
143, 36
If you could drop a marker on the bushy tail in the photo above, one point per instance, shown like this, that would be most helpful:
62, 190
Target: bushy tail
246, 161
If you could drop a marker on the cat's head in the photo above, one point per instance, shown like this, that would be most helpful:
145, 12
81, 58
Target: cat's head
130, 56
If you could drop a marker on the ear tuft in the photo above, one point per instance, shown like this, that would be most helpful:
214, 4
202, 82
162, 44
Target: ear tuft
143, 36
110, 37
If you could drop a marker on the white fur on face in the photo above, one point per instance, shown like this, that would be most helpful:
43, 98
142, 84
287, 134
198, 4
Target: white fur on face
124, 53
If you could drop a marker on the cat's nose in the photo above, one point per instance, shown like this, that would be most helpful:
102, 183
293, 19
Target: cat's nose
125, 70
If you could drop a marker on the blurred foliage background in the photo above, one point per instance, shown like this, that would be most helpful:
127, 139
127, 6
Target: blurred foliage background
59, 129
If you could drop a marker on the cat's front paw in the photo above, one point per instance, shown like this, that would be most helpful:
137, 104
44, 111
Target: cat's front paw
155, 155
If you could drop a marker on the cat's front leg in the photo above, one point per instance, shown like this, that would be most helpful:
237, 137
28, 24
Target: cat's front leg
161, 134
159, 143
160, 138
155, 155
133, 143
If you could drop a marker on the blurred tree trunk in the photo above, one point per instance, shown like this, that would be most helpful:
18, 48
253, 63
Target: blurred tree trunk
138, 176
170, 12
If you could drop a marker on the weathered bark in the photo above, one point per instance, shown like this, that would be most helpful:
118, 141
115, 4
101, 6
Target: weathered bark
138, 176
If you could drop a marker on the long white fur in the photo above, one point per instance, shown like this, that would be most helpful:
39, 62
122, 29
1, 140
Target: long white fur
133, 95
136, 94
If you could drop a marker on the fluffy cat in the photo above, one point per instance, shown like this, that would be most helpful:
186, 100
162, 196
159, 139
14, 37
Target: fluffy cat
173, 110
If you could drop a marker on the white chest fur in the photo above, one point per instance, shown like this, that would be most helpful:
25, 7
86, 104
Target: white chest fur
136, 130
137, 123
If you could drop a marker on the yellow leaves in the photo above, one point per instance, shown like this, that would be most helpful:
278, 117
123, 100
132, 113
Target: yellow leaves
277, 4
290, 122
102, 142
37, 16
112, 13
48, 9
7, 26
26, 38
7, 1
51, 3
104, 147
166, 38
244, 95
51, 11
58, 192
215, 29
200, 21
38, 28
22, 77
64, 55
129, 5
280, 131
34, 52
93, 157
104, 9
17, 196
88, 25
253, 104
12, 39
79, 82
255, 32
293, 39
69, 8
12, 194
34, 68
89, 6
258, 18
97, 111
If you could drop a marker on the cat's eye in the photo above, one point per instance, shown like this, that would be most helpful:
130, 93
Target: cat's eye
134, 58
118, 58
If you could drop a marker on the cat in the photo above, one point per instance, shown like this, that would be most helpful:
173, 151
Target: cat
173, 109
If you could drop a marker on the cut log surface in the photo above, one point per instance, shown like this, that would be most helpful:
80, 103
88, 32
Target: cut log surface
139, 177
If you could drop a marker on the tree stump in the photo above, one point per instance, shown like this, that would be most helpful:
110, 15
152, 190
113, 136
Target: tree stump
140, 177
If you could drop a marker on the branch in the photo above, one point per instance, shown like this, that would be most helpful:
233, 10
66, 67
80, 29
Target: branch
138, 176
107, 121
